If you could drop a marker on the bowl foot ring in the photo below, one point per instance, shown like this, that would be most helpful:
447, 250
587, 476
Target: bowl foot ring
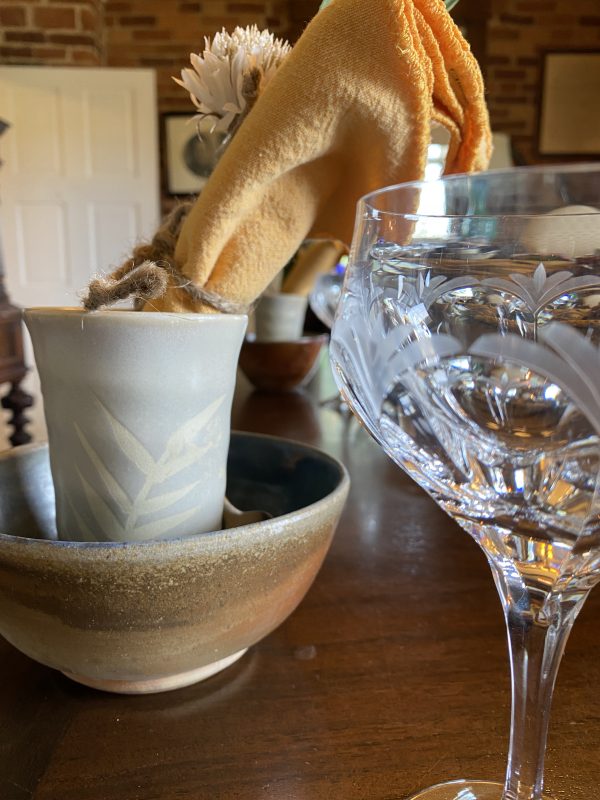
154, 685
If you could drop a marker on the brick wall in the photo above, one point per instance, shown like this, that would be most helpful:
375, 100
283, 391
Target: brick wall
132, 33
509, 36
161, 35
67, 32
519, 32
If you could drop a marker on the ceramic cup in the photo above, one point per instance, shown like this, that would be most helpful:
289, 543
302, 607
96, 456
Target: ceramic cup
138, 412
280, 317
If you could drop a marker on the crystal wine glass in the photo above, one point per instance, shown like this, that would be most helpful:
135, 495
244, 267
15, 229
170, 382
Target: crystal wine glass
326, 293
467, 340
323, 301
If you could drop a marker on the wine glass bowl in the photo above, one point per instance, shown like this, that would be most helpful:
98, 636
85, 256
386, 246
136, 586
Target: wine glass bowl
323, 301
326, 293
467, 340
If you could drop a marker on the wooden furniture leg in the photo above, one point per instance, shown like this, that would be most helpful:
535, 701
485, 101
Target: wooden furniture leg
16, 401
12, 361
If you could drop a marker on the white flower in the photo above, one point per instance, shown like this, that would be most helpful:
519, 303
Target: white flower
215, 81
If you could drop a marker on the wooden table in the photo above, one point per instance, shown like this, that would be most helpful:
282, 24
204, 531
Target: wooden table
391, 675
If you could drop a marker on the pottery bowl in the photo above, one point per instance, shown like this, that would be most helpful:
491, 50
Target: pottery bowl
281, 366
151, 616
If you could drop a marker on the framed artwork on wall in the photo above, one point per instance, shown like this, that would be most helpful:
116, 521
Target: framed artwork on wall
190, 152
569, 120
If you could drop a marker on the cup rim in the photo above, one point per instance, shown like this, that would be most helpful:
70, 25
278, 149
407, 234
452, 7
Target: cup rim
305, 338
277, 296
128, 314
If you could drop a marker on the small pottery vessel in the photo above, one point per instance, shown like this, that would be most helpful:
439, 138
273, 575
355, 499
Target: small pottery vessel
280, 317
152, 616
138, 410
281, 366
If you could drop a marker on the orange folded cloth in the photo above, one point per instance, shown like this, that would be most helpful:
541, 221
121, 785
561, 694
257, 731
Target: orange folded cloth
349, 111
315, 259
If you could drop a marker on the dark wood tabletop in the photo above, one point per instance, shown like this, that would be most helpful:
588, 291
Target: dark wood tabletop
392, 674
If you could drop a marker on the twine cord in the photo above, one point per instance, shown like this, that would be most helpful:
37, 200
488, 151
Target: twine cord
156, 272
150, 281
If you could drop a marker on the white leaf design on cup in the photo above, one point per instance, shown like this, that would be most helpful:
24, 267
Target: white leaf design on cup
179, 453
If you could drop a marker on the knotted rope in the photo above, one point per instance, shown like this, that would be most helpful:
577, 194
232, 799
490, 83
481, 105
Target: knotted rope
145, 276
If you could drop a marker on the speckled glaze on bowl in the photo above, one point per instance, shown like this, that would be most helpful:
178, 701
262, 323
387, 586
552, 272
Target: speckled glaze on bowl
152, 616
281, 366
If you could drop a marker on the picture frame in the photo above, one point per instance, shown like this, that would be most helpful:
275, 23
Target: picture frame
569, 117
190, 150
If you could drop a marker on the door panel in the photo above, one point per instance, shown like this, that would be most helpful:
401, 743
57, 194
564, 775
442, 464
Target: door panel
79, 185
80, 177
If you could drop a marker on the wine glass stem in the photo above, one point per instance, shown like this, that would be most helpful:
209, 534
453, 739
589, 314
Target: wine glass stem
535, 648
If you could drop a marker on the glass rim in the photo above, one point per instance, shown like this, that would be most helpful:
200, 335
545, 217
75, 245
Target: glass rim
556, 169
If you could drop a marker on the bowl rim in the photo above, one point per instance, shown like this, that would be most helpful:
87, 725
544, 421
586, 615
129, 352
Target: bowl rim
195, 540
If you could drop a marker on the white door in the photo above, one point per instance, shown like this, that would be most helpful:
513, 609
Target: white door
79, 183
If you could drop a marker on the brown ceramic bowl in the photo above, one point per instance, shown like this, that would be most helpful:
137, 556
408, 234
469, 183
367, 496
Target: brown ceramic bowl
152, 616
281, 366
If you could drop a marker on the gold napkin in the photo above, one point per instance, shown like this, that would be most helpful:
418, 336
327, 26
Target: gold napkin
315, 259
349, 111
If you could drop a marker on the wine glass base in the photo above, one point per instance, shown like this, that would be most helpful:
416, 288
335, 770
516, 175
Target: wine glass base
462, 790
